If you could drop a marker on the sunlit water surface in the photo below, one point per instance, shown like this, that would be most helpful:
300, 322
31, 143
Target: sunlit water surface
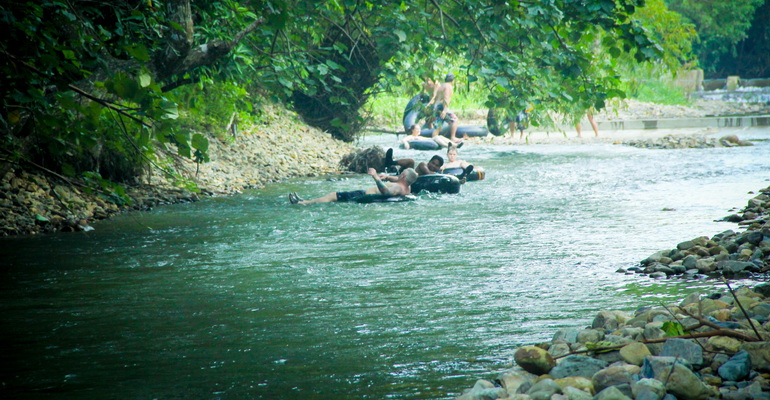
249, 297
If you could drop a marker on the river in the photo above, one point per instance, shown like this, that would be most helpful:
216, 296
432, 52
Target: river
249, 297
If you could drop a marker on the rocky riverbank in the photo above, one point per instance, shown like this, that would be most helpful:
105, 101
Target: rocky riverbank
728, 253
714, 346
35, 201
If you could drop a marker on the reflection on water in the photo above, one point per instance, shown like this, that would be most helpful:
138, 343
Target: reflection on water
247, 296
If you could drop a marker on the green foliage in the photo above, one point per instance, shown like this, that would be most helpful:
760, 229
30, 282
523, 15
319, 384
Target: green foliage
112, 86
672, 328
721, 25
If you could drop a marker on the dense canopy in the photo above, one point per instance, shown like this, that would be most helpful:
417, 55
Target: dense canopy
100, 85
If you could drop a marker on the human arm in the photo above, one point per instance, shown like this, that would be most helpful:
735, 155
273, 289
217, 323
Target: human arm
389, 178
380, 184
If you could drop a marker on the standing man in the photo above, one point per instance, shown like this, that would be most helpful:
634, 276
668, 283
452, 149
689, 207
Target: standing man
443, 93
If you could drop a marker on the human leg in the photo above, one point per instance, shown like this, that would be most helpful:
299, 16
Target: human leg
441, 141
328, 198
593, 123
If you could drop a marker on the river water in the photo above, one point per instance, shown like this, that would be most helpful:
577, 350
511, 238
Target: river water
249, 297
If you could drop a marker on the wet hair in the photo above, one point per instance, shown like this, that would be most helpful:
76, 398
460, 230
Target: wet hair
451, 147
439, 158
411, 128
450, 77
410, 175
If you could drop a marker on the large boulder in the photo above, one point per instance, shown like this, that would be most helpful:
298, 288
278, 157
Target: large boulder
534, 359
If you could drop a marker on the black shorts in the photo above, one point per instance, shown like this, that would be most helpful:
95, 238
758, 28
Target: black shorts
350, 196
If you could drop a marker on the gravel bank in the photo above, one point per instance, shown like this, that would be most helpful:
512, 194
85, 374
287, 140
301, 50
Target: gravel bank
33, 202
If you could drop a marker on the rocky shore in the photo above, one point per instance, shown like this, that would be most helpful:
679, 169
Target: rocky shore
714, 346
34, 201
730, 254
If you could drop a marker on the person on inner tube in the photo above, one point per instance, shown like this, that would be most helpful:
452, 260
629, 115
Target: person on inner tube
414, 134
454, 162
401, 187
424, 168
444, 116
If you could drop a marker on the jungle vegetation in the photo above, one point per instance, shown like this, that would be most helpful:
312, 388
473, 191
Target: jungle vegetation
110, 88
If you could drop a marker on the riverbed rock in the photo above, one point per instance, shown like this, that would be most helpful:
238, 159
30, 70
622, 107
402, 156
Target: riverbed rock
483, 390
534, 360
685, 349
577, 365
544, 389
759, 353
737, 368
615, 376
634, 353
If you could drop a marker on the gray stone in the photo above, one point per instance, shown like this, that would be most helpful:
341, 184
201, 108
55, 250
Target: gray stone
653, 386
511, 380
686, 349
568, 335
737, 368
590, 336
611, 393
614, 376
750, 392
690, 261
678, 269
760, 355
683, 383
576, 365
653, 367
543, 390
483, 390
576, 394
558, 349
760, 310
734, 266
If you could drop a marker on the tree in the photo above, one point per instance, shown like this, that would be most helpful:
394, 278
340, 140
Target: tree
93, 86
721, 25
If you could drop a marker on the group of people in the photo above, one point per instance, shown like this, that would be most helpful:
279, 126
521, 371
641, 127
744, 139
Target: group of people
399, 185
439, 115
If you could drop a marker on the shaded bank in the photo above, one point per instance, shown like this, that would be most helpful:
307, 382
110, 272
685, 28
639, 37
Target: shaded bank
35, 201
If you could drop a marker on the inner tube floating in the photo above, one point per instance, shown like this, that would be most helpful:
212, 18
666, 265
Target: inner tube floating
413, 110
477, 174
436, 183
381, 198
422, 144
425, 144
470, 131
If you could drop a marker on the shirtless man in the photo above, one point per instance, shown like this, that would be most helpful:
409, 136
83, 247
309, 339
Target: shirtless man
401, 187
443, 93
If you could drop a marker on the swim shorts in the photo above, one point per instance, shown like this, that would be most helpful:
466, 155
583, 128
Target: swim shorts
449, 118
350, 196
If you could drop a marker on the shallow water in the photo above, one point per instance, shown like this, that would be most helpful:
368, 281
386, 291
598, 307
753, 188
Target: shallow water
249, 297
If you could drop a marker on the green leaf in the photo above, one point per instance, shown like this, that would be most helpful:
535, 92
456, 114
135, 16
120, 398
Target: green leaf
144, 79
401, 35
40, 218
200, 142
672, 328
